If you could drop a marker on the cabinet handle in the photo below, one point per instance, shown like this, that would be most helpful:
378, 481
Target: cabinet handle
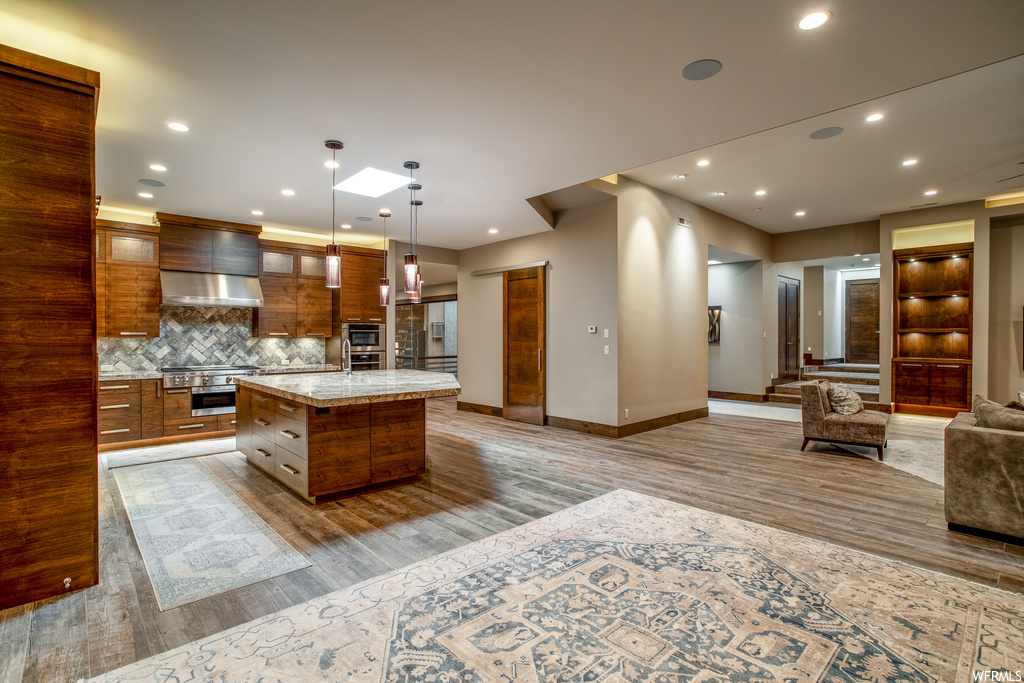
260, 399
158, 388
314, 334
277, 334
375, 320
115, 431
947, 366
117, 386
263, 452
133, 334
911, 365
261, 422
538, 360
290, 435
233, 422
128, 405
177, 391
191, 426
289, 469
290, 409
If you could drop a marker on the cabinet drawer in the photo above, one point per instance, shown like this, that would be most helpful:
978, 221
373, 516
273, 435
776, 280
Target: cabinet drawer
226, 422
262, 455
291, 435
949, 385
115, 417
263, 421
289, 409
910, 383
119, 430
292, 471
190, 425
113, 392
177, 404
262, 401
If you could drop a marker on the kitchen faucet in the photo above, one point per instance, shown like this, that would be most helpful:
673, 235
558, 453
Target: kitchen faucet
346, 357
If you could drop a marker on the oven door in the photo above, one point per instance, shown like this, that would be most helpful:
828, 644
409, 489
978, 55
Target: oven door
368, 361
364, 336
213, 400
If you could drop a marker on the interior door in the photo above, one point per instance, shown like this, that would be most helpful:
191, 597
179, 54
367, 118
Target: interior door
862, 330
524, 361
789, 329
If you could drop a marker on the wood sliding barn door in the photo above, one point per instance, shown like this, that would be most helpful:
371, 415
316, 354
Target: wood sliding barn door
862, 330
789, 328
524, 361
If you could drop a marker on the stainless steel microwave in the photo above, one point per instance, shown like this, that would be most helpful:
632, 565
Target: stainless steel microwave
364, 336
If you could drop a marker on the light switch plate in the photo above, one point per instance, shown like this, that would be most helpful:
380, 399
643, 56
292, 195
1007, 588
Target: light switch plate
592, 329
606, 333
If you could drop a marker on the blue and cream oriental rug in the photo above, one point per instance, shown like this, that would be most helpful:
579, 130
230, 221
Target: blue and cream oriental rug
625, 587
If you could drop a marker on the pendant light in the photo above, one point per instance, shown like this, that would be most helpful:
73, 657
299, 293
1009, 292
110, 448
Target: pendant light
412, 269
333, 250
385, 284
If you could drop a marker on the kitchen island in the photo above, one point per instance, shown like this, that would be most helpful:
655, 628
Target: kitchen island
323, 434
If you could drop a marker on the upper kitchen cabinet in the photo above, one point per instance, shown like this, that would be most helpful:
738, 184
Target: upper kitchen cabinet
296, 302
204, 245
361, 271
127, 280
49, 514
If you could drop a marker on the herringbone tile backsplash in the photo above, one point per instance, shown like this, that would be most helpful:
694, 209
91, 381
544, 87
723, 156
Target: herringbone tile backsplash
191, 335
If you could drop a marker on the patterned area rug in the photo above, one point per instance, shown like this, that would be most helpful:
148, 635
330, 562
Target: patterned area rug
625, 587
175, 451
196, 537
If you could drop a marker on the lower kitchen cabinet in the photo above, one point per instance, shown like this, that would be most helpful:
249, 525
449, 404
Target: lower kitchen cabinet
119, 411
932, 383
191, 425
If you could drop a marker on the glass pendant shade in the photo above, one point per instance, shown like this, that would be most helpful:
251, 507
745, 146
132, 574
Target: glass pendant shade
417, 294
333, 266
412, 273
385, 291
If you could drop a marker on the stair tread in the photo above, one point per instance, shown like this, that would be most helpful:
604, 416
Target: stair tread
860, 377
846, 367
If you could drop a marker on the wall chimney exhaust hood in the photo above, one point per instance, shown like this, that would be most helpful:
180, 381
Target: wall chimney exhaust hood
183, 288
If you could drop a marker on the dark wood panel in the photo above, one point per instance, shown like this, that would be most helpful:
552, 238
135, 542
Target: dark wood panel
47, 292
234, 253
523, 356
191, 425
332, 468
291, 434
314, 308
398, 447
949, 386
277, 317
243, 417
789, 329
152, 401
910, 383
177, 403
133, 300
227, 422
862, 328
360, 287
185, 248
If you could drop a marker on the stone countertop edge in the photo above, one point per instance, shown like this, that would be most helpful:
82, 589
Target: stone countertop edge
268, 370
367, 394
130, 375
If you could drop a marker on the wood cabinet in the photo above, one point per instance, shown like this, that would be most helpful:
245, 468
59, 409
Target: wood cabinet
49, 514
317, 452
128, 280
204, 245
361, 271
296, 302
932, 321
129, 410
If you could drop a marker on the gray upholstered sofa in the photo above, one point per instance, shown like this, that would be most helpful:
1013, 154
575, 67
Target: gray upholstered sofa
984, 477
821, 423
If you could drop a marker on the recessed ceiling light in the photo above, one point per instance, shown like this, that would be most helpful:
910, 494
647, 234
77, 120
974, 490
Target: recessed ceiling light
801, 213
703, 162
288, 193
257, 212
825, 133
145, 195
761, 193
814, 20
714, 263
346, 226
856, 254
372, 182
493, 231
718, 194
865, 259
701, 69
875, 117
910, 162
157, 167
331, 164
180, 127
931, 192
682, 176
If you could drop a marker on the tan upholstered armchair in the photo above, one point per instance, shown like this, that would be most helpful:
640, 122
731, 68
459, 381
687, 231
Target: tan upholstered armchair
821, 423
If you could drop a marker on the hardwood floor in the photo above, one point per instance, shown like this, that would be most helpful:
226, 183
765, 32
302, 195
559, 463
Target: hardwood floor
486, 475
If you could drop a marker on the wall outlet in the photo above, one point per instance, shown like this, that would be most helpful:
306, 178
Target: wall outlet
771, 375
625, 413
606, 333
606, 351
808, 348
592, 329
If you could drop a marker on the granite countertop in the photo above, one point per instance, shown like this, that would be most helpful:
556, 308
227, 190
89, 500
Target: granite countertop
130, 375
370, 386
114, 376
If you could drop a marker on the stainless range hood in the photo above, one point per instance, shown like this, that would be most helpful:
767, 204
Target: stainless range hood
182, 288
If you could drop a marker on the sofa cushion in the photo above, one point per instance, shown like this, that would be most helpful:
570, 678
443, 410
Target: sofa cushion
844, 400
867, 427
998, 417
823, 387
980, 400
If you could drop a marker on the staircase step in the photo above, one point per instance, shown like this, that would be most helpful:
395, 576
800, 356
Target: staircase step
844, 367
850, 378
867, 392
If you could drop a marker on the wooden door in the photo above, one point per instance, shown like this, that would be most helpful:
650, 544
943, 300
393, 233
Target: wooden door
524, 361
789, 329
862, 331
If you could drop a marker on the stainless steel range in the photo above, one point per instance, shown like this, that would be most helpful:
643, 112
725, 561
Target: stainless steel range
213, 388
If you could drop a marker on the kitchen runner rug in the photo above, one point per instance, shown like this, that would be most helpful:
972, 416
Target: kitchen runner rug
197, 538
175, 451
625, 587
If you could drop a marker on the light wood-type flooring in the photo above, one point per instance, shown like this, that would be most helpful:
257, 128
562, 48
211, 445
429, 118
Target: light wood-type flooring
486, 475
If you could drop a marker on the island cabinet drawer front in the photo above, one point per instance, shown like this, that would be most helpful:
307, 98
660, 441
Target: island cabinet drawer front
262, 401
291, 434
177, 404
113, 393
292, 409
292, 471
263, 421
190, 425
262, 454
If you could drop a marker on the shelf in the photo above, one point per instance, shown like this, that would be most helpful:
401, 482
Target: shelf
934, 295
933, 330
931, 359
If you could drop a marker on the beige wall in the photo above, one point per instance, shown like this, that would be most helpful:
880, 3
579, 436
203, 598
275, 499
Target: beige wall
662, 295
835, 240
582, 286
734, 364
1006, 310
814, 312
834, 314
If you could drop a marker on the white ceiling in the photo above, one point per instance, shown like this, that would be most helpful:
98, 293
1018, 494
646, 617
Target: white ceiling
501, 101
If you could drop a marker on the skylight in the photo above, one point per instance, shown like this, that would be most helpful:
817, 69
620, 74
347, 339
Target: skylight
372, 182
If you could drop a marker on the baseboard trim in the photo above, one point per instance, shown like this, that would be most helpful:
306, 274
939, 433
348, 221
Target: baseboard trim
479, 408
732, 396
164, 440
663, 421
934, 411
583, 426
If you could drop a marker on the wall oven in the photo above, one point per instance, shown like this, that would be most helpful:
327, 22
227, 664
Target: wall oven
368, 360
364, 336
219, 400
